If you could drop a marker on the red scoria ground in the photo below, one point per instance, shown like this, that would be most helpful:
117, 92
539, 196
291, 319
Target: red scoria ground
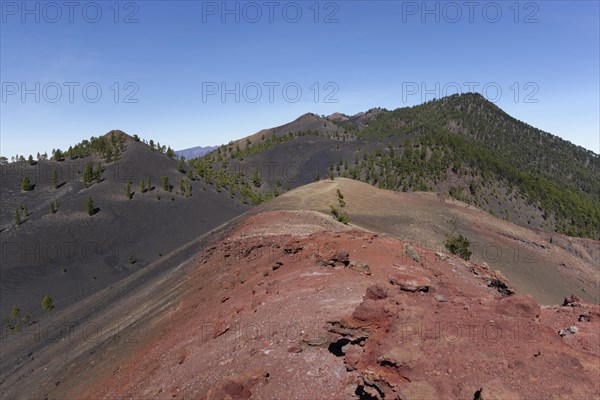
293, 305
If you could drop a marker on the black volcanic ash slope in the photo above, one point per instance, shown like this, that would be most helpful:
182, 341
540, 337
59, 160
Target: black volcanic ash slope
70, 254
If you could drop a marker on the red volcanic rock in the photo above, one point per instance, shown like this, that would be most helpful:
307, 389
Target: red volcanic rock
518, 305
238, 387
432, 330
498, 349
220, 327
498, 281
341, 256
277, 265
369, 312
361, 267
375, 292
409, 283
294, 349
572, 301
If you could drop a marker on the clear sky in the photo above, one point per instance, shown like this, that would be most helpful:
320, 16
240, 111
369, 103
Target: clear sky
195, 73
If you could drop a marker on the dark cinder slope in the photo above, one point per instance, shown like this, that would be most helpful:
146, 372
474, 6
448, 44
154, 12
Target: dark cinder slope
69, 254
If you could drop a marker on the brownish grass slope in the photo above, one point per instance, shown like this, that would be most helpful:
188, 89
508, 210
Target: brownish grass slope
546, 265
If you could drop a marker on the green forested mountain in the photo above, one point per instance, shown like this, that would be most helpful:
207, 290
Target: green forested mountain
461, 145
508, 139
562, 177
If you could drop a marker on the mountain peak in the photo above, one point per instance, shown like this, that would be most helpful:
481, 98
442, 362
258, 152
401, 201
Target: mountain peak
307, 117
469, 98
116, 132
337, 116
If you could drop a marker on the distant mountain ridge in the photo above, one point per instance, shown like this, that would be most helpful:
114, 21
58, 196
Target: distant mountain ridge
194, 152
461, 145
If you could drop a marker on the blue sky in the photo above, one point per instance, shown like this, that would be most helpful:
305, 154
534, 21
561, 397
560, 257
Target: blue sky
162, 66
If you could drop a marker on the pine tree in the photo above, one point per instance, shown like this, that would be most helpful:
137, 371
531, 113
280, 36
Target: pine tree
89, 205
165, 184
15, 313
341, 201
17, 217
149, 184
341, 216
188, 188
26, 184
256, 179
59, 156
54, 179
47, 303
108, 156
31, 162
53, 207
88, 174
180, 164
142, 186
25, 210
128, 191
